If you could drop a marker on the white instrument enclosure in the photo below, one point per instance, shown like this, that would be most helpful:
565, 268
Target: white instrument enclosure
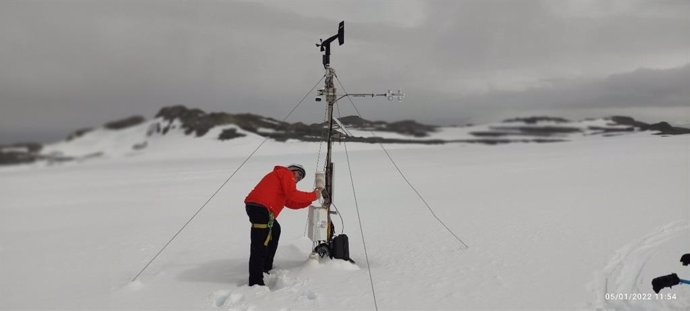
318, 223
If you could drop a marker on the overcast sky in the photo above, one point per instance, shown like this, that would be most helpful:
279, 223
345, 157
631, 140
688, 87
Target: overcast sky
72, 64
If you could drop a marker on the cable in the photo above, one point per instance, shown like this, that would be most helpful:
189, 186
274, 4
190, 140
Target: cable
361, 229
336, 208
318, 159
323, 137
222, 185
465, 246
342, 223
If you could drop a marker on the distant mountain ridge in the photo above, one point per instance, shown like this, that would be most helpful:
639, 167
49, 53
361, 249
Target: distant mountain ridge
193, 122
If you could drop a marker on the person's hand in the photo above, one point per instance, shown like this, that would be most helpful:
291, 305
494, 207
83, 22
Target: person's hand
318, 192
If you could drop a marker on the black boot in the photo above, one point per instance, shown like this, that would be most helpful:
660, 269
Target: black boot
261, 283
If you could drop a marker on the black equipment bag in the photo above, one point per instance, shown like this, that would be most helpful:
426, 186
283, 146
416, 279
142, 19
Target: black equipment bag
665, 281
340, 248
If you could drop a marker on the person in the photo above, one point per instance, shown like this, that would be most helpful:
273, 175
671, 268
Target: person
276, 190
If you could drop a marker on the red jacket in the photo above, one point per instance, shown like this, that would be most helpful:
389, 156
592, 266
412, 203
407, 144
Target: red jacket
279, 189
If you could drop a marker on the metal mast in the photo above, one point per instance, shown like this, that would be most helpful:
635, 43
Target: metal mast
321, 226
329, 92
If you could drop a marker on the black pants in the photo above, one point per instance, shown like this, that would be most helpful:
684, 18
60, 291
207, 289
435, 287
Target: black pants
260, 255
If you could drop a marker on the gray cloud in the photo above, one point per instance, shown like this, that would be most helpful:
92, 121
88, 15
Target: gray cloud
650, 93
71, 64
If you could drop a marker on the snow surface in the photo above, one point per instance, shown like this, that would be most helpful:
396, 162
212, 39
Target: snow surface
549, 226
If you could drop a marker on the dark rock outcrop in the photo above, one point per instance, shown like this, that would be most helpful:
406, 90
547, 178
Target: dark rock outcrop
78, 133
125, 123
502, 141
10, 157
193, 120
530, 131
663, 128
527, 127
405, 127
410, 127
114, 125
229, 134
537, 119
602, 130
622, 120
357, 122
538, 129
299, 131
198, 122
19, 153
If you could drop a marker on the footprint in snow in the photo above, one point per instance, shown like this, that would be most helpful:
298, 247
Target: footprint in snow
240, 297
279, 285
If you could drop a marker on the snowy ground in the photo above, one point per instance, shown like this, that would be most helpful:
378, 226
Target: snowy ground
549, 226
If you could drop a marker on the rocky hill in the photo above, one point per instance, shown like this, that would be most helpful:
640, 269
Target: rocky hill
197, 122
223, 127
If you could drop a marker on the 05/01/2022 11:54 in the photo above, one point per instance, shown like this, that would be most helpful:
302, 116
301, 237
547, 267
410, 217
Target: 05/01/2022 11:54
639, 296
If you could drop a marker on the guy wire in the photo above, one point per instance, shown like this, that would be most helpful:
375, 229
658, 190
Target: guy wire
359, 218
222, 185
465, 246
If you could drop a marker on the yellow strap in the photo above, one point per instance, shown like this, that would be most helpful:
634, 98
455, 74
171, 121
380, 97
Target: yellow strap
268, 226
264, 226
268, 238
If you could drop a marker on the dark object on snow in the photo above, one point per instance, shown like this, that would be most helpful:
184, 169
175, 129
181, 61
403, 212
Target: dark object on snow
665, 281
340, 248
685, 259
